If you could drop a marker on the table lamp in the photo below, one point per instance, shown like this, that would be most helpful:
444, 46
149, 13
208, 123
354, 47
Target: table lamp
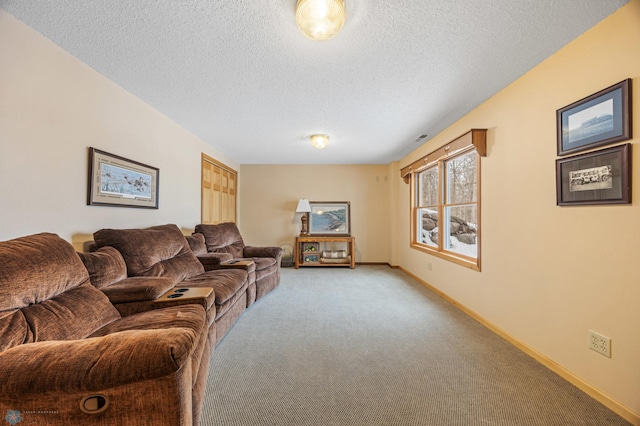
304, 208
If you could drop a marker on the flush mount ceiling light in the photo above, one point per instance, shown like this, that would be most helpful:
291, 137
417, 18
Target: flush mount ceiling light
319, 141
320, 19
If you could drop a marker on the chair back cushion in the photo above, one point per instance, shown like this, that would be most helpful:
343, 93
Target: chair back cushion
222, 238
159, 251
105, 266
197, 244
45, 293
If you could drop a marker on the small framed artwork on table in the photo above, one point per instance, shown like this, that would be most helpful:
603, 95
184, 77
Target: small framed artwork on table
600, 119
598, 177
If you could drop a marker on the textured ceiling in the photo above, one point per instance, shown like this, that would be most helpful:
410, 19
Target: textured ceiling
242, 77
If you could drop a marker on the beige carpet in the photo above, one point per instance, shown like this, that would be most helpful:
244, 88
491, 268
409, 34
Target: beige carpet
371, 346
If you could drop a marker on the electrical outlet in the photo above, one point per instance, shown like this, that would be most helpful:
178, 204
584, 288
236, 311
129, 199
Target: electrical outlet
428, 266
600, 343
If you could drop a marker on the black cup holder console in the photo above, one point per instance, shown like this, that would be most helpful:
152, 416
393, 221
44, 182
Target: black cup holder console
178, 292
184, 293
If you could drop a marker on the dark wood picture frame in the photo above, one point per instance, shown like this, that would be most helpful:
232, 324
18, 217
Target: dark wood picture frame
600, 119
330, 218
116, 181
598, 177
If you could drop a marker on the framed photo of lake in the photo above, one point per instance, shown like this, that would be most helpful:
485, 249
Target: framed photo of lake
330, 218
598, 177
119, 182
596, 120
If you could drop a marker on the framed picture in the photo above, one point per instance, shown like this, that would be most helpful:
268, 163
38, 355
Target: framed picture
329, 218
596, 120
599, 177
118, 182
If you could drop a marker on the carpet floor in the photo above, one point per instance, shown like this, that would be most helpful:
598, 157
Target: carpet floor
371, 346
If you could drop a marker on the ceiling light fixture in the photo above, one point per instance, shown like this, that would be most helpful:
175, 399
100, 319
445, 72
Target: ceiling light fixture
319, 141
320, 19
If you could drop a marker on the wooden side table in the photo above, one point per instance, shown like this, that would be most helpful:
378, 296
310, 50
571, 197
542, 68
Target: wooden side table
309, 251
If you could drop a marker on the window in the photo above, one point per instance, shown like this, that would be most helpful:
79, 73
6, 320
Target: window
446, 196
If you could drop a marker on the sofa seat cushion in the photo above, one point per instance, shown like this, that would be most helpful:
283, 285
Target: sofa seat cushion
158, 251
137, 289
228, 286
191, 317
105, 266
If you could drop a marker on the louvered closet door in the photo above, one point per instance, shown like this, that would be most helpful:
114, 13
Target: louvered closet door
218, 192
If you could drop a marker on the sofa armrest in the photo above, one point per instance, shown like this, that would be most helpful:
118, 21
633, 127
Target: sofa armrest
137, 289
275, 252
94, 364
212, 261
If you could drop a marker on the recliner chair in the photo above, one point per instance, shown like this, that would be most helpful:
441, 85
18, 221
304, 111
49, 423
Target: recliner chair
224, 244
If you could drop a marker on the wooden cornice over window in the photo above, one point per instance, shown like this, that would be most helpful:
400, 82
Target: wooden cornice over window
474, 137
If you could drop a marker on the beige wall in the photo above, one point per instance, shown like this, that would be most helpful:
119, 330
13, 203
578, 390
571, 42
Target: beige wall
52, 108
550, 274
269, 195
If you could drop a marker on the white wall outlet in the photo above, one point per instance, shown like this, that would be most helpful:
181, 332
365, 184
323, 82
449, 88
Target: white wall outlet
429, 267
600, 343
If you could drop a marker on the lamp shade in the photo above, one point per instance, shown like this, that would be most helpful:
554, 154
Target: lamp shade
303, 206
320, 19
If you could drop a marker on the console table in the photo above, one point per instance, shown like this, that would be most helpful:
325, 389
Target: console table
310, 251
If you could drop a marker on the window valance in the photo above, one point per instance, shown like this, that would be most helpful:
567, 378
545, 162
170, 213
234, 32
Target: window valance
474, 137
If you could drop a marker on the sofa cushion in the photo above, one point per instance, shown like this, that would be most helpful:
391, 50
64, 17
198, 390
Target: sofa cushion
14, 329
226, 283
72, 315
191, 317
105, 266
36, 268
158, 251
45, 293
196, 243
222, 238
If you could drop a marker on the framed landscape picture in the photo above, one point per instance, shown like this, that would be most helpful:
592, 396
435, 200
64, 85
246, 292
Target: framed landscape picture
599, 177
330, 218
600, 119
118, 182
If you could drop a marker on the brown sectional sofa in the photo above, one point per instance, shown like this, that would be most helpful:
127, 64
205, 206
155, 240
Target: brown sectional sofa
100, 326
65, 348
163, 252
